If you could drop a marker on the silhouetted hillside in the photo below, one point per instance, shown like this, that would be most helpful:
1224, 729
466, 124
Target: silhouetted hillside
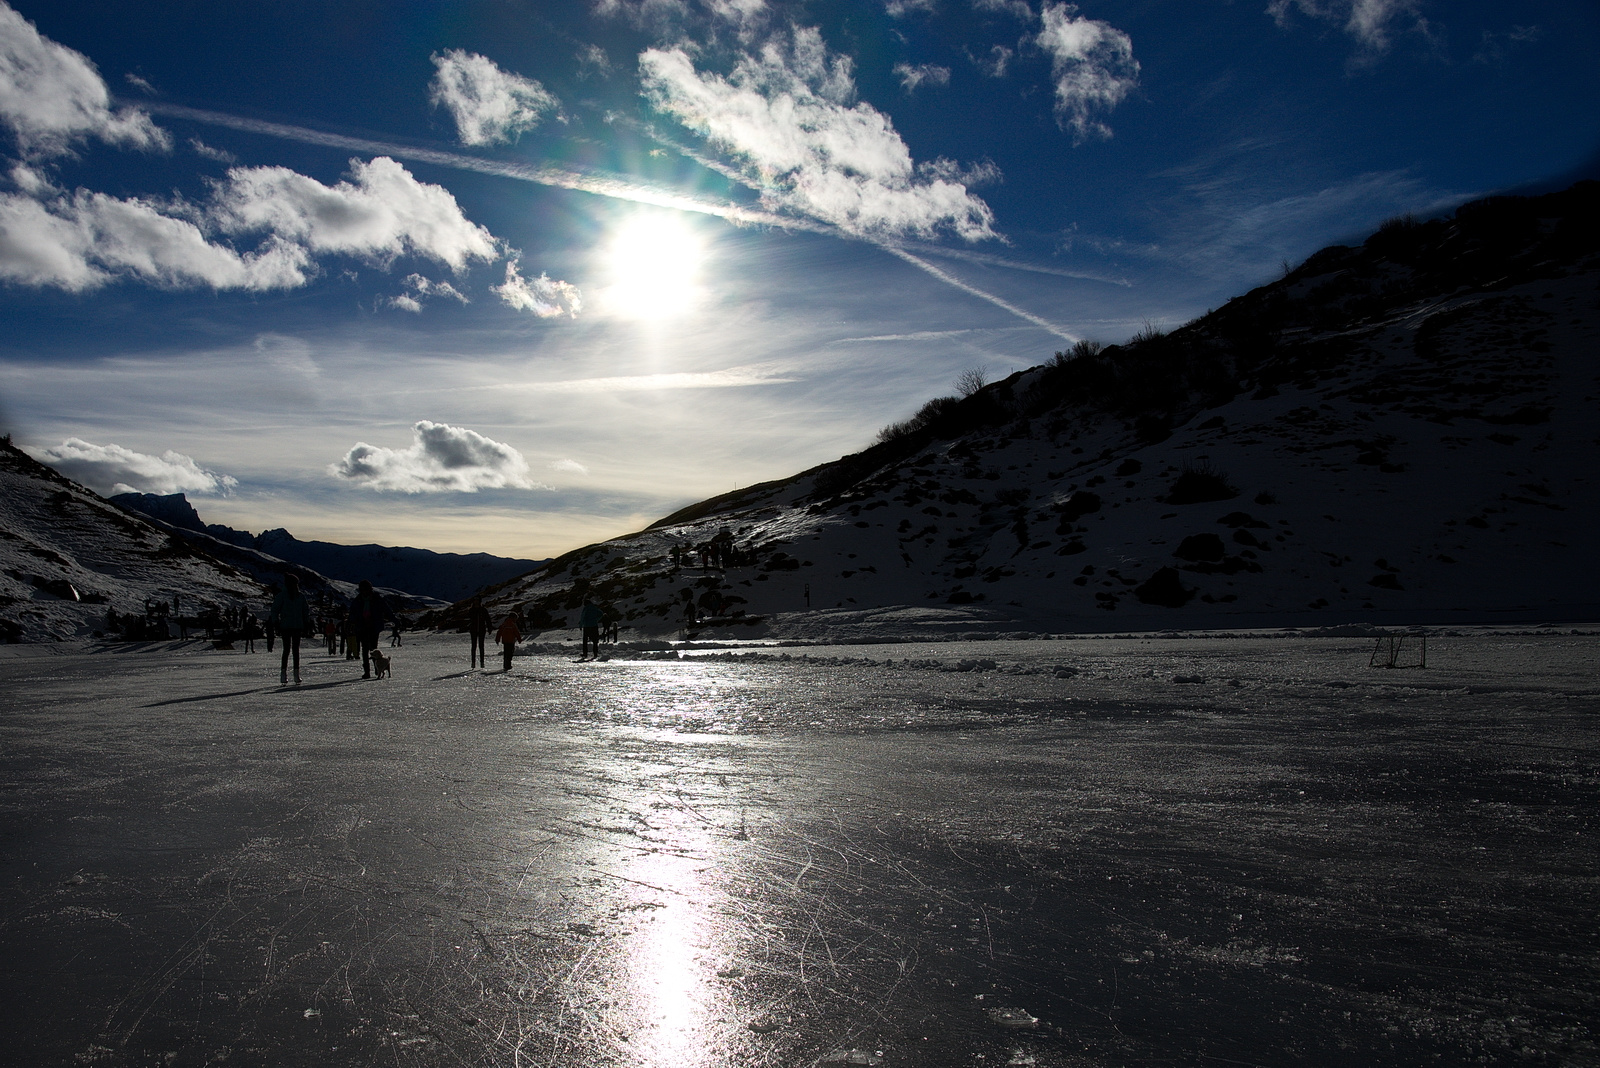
1405, 430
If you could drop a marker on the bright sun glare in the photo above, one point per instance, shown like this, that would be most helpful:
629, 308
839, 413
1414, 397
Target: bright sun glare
655, 267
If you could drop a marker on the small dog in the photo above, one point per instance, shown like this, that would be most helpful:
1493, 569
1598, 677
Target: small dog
380, 664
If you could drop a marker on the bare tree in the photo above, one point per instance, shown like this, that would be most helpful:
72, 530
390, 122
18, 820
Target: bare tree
971, 380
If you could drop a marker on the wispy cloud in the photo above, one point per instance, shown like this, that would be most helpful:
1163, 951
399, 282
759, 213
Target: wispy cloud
1494, 47
418, 289
1017, 9
1092, 64
921, 74
1371, 23
441, 458
109, 469
216, 155
52, 97
787, 113
489, 105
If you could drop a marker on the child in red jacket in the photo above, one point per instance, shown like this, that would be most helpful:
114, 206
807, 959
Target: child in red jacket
508, 636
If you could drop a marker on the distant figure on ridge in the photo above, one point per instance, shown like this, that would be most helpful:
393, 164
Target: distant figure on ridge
368, 614
590, 619
508, 636
478, 623
291, 615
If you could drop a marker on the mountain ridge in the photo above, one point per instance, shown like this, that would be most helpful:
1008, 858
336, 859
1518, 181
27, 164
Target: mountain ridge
421, 572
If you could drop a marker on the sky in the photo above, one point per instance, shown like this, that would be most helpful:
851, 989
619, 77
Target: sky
514, 276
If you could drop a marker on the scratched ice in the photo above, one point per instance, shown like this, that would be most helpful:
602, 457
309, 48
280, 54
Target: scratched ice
1110, 851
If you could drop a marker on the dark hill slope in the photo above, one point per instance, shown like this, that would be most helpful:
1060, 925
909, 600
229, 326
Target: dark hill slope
1405, 431
67, 555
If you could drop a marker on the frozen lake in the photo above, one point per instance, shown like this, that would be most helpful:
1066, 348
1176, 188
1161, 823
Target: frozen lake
1091, 852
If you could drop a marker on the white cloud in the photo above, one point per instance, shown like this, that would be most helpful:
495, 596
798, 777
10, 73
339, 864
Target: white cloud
418, 287
541, 296
787, 114
52, 96
568, 466
1370, 22
82, 242
382, 212
489, 105
109, 469
85, 240
1092, 64
911, 77
441, 458
140, 84
899, 9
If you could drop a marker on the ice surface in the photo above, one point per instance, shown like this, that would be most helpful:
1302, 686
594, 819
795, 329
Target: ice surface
854, 855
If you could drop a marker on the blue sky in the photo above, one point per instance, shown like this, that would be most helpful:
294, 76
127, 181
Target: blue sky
514, 277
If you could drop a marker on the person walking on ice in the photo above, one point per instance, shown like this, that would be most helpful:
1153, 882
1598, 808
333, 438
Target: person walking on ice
478, 624
291, 616
590, 619
508, 636
368, 613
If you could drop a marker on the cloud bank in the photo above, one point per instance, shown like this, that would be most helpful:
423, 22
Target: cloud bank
1092, 64
489, 105
786, 112
52, 97
110, 469
441, 458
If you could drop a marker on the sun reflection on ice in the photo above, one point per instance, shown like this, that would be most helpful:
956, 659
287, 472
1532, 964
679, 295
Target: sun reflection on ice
671, 969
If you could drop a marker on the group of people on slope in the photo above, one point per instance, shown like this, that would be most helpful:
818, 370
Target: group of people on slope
291, 616
591, 618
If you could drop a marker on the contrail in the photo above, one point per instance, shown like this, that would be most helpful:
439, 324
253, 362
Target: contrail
998, 302
613, 187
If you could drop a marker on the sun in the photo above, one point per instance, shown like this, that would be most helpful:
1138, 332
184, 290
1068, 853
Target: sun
654, 263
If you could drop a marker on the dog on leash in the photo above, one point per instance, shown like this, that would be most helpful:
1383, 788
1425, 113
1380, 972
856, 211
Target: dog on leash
380, 664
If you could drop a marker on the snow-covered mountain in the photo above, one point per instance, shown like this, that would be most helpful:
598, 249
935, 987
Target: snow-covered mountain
67, 556
1402, 432
427, 574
